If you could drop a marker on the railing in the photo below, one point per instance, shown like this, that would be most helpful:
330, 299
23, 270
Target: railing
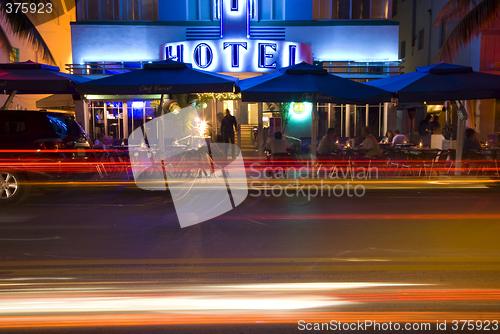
101, 68
296, 141
387, 68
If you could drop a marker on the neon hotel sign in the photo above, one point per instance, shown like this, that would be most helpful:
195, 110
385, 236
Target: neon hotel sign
235, 51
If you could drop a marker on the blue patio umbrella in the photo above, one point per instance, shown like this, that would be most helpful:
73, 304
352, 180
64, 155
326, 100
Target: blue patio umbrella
304, 82
35, 78
162, 77
440, 82
307, 83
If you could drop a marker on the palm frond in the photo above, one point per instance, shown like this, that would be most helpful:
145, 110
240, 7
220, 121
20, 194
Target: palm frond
4, 41
482, 16
454, 10
22, 26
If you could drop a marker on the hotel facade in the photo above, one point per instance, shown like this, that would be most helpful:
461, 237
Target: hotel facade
355, 39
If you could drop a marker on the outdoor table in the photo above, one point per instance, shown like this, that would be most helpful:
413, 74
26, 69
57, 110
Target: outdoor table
490, 151
404, 145
349, 151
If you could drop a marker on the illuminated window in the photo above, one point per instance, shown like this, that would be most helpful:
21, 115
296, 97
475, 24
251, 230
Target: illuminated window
341, 9
380, 9
350, 9
14, 55
360, 9
201, 10
421, 39
113, 10
443, 32
271, 9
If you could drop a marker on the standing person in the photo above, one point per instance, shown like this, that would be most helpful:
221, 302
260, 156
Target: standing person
99, 142
434, 125
228, 126
370, 144
326, 144
425, 132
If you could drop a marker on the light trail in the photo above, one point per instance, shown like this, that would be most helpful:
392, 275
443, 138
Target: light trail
147, 305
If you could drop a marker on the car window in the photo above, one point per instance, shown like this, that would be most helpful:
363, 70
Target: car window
65, 126
10, 124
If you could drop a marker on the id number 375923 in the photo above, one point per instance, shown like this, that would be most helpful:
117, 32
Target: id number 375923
28, 7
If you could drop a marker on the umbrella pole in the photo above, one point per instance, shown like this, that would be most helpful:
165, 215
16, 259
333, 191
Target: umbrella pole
9, 100
161, 105
260, 131
314, 129
462, 118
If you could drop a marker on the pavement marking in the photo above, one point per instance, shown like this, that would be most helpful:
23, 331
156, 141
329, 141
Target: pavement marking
248, 269
6, 219
133, 267
204, 261
33, 239
372, 217
83, 205
256, 222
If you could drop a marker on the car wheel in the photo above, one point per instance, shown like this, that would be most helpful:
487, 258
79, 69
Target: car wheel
14, 188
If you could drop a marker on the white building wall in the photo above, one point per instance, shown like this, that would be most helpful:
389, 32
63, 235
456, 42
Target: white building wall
121, 42
135, 43
349, 42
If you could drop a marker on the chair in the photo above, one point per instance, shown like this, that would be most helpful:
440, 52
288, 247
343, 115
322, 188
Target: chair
278, 160
329, 162
401, 160
429, 156
473, 160
440, 162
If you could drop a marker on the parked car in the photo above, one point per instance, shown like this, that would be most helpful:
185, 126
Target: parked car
39, 146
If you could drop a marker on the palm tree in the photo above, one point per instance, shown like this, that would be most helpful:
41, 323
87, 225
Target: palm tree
473, 16
23, 26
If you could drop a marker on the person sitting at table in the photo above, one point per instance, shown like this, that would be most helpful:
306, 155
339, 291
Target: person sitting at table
389, 136
399, 138
99, 142
278, 145
369, 143
326, 144
471, 143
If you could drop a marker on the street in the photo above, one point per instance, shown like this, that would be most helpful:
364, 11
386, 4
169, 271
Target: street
399, 255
